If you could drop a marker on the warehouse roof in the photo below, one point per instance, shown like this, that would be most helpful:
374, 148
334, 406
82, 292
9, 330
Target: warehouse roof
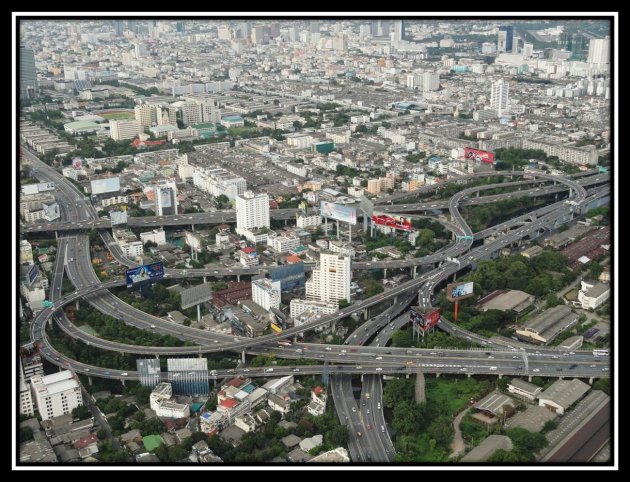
565, 392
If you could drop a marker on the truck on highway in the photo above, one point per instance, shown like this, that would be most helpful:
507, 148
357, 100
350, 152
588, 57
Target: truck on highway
367, 396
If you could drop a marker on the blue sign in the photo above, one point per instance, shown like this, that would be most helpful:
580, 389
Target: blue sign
146, 272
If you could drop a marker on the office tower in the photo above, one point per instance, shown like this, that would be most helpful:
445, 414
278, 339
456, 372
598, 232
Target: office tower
499, 97
165, 199
140, 50
331, 281
505, 42
28, 74
252, 211
56, 394
293, 34
152, 28
124, 129
180, 27
374, 28
528, 50
599, 51
188, 376
385, 27
274, 30
149, 371
132, 26
119, 27
399, 31
314, 26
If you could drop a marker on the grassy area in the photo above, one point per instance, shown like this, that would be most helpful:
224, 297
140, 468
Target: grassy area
453, 394
117, 115
571, 295
88, 329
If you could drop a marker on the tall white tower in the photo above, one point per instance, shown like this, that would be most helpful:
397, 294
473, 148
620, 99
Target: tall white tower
499, 97
166, 199
252, 211
331, 282
599, 51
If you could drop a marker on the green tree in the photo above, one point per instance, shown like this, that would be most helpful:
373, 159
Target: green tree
26, 434
101, 434
81, 412
343, 304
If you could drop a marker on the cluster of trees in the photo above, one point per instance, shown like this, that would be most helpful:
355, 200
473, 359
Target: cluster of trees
416, 158
437, 229
526, 444
425, 431
112, 329
346, 171
437, 339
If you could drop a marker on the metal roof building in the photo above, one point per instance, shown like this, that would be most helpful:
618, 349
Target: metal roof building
547, 325
562, 394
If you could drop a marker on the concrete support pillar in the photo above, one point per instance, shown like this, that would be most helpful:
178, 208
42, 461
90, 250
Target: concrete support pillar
192, 226
238, 278
468, 375
199, 355
500, 376
529, 378
157, 357
407, 375
199, 312
395, 299
56, 235
122, 380
477, 193
90, 380
361, 377
437, 375
286, 222
76, 305
243, 356
365, 314
384, 272
413, 271
590, 381
205, 279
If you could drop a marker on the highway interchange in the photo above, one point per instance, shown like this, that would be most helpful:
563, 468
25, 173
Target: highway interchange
341, 361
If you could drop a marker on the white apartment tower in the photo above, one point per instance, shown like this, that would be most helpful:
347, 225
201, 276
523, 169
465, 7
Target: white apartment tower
331, 281
266, 293
26, 401
599, 51
430, 81
252, 211
165, 199
499, 97
124, 129
56, 394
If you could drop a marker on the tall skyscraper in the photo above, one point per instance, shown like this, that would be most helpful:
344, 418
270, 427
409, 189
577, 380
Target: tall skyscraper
505, 42
314, 26
28, 74
430, 81
499, 97
119, 26
331, 281
165, 199
599, 51
252, 211
132, 26
399, 31
180, 27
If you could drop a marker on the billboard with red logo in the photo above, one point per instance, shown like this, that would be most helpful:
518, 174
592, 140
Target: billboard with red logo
424, 318
477, 155
392, 220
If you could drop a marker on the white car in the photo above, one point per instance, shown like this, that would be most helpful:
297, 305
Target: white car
536, 370
379, 369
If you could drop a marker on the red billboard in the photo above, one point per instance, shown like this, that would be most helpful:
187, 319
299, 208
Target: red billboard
425, 319
392, 221
477, 155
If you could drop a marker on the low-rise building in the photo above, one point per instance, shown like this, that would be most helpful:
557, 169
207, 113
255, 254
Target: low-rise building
524, 389
504, 300
544, 327
562, 394
593, 295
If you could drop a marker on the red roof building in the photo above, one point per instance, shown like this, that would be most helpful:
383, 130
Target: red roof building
85, 442
229, 403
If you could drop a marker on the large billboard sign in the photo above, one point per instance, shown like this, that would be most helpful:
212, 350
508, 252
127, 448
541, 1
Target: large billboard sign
459, 291
392, 221
338, 212
145, 272
477, 155
102, 186
424, 319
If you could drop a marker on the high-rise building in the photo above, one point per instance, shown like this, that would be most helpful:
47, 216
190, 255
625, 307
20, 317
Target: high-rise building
599, 51
314, 26
26, 400
165, 199
28, 74
293, 34
331, 281
505, 42
124, 129
180, 27
56, 394
399, 31
266, 293
499, 97
132, 26
26, 252
430, 81
528, 50
188, 376
140, 50
119, 27
385, 27
252, 211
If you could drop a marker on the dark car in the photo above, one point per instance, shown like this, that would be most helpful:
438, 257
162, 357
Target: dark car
573, 366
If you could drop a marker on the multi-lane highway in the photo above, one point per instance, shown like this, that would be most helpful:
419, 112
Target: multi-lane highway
341, 361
